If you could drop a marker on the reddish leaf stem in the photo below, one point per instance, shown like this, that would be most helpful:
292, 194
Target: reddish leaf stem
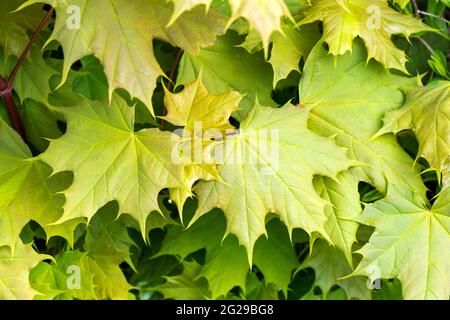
6, 88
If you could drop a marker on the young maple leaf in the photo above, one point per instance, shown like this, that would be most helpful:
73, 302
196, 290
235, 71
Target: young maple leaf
121, 38
372, 20
25, 191
111, 161
264, 17
279, 180
15, 26
427, 112
196, 110
14, 271
411, 241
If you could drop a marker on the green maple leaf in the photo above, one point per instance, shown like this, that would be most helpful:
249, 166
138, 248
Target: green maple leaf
427, 112
226, 263
344, 206
100, 278
106, 244
14, 272
185, 286
275, 256
446, 175
402, 3
121, 37
262, 16
350, 97
220, 73
206, 233
180, 6
373, 21
25, 190
225, 267
329, 266
255, 182
41, 124
411, 242
290, 46
32, 80
112, 162
15, 26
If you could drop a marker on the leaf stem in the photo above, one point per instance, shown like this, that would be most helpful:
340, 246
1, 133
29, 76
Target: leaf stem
433, 15
171, 83
171, 80
12, 109
6, 88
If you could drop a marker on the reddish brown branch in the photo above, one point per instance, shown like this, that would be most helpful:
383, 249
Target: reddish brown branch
171, 83
6, 88
171, 80
12, 110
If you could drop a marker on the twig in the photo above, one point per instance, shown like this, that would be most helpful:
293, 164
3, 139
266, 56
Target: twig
416, 8
171, 80
426, 45
6, 88
433, 15
10, 83
417, 12
171, 83
12, 110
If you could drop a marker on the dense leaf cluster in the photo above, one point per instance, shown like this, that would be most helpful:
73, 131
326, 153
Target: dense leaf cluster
93, 204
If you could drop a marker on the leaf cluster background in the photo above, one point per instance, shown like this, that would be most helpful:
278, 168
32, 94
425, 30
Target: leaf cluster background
357, 90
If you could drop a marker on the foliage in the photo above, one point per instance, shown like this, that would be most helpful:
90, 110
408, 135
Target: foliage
224, 149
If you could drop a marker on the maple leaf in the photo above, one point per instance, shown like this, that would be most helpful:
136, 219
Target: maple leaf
112, 162
25, 190
198, 112
185, 286
263, 16
330, 265
121, 37
220, 74
180, 6
15, 26
411, 242
99, 278
107, 244
32, 80
247, 194
373, 21
14, 270
290, 46
427, 112
275, 256
350, 98
343, 207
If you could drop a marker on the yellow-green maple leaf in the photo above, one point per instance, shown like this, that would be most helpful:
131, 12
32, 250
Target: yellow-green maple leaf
350, 98
372, 20
329, 266
262, 15
279, 180
14, 272
427, 112
180, 6
112, 162
15, 26
198, 111
25, 190
411, 241
121, 37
